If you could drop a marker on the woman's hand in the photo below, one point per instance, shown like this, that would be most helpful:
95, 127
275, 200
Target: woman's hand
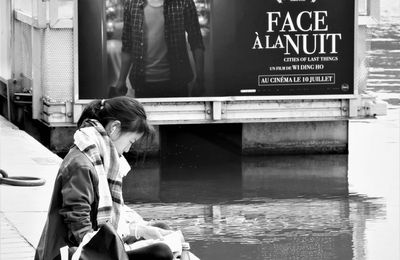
148, 232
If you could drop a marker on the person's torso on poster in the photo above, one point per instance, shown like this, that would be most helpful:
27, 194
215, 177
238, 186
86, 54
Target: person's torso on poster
157, 67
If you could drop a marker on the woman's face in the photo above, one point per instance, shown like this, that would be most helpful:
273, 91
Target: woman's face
125, 140
121, 140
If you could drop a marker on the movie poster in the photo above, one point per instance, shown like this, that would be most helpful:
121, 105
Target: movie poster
257, 47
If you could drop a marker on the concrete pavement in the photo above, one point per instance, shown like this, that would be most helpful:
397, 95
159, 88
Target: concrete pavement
23, 209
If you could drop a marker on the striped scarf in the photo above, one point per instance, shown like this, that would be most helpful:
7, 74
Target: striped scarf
92, 140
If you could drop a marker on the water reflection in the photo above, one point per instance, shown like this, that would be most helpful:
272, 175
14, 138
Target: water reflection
295, 176
283, 207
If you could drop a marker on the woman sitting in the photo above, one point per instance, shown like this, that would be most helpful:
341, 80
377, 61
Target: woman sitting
87, 195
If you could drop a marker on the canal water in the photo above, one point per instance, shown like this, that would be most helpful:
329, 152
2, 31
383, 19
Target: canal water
231, 207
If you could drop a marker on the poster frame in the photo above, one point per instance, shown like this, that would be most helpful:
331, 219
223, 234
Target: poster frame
354, 95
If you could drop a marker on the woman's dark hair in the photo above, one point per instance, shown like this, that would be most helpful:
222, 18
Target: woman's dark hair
127, 110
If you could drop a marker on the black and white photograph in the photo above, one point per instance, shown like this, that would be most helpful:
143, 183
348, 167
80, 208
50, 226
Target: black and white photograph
199, 129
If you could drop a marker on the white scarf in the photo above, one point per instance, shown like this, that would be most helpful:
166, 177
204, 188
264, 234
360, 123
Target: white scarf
93, 141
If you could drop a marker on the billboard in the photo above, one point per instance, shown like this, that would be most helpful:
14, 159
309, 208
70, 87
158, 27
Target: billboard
185, 48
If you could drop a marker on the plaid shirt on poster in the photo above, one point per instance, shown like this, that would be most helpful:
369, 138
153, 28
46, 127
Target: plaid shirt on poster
180, 16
